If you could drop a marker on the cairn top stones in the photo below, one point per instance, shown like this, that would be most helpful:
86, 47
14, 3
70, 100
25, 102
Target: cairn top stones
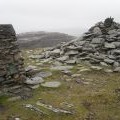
7, 30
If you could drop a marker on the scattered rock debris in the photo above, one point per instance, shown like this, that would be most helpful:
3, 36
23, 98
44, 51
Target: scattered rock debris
33, 108
56, 110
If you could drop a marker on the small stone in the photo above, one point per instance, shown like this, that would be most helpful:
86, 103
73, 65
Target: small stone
63, 58
104, 64
117, 52
84, 70
112, 32
87, 35
94, 61
30, 67
117, 44
53, 84
43, 74
71, 62
109, 61
74, 48
55, 52
17, 119
97, 31
87, 49
82, 43
61, 68
79, 81
57, 63
39, 64
34, 81
34, 86
116, 64
36, 56
111, 57
108, 70
47, 60
117, 69
67, 72
109, 45
76, 75
97, 40
86, 83
72, 52
96, 68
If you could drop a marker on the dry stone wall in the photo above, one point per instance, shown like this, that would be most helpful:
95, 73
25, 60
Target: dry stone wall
99, 46
11, 62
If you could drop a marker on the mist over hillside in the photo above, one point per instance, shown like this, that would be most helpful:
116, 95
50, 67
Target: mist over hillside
42, 39
74, 31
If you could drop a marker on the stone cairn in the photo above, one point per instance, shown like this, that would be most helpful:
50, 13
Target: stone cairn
99, 46
11, 63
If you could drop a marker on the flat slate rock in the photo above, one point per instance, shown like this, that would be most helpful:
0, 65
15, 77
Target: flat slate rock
72, 52
61, 67
63, 58
43, 74
53, 84
34, 86
34, 81
71, 62
117, 69
97, 40
96, 68
109, 61
36, 56
55, 52
108, 70
109, 45
30, 67
85, 70
67, 72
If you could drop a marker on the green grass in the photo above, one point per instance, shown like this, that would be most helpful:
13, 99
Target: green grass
94, 101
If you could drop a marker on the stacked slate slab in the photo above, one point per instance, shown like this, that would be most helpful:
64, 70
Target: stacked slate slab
11, 63
99, 46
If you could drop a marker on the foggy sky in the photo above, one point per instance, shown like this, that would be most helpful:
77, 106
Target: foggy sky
70, 16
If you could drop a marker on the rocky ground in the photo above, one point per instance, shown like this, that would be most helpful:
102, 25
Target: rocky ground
77, 80
84, 92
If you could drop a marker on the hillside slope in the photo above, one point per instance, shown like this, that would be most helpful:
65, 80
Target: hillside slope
42, 39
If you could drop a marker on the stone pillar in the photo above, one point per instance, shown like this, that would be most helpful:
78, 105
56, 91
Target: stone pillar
11, 62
